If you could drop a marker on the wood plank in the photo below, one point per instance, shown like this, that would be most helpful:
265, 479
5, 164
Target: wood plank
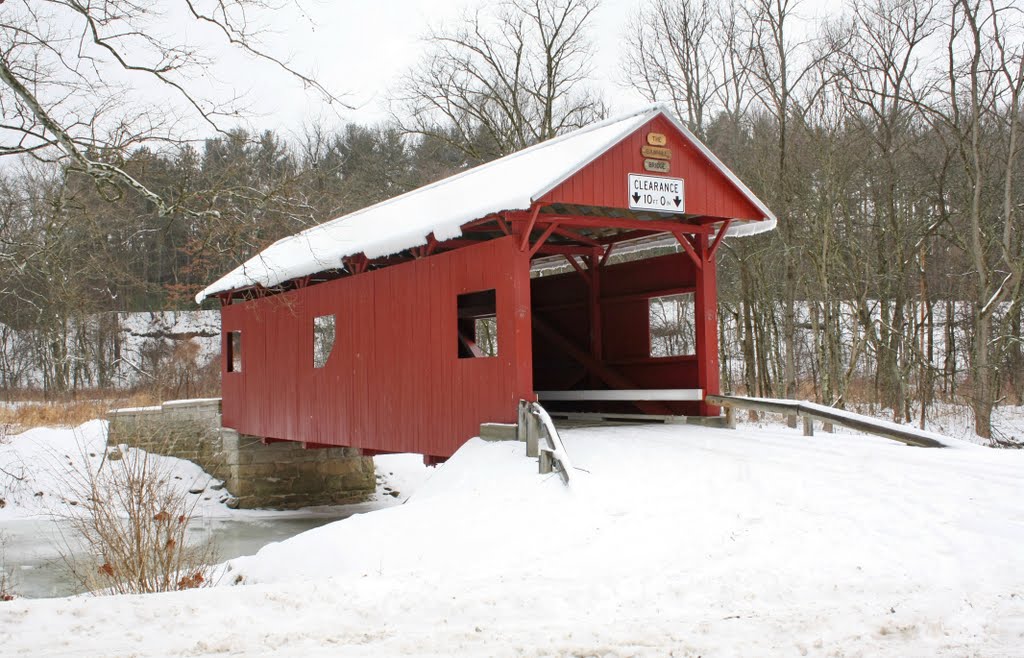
632, 418
625, 395
605, 374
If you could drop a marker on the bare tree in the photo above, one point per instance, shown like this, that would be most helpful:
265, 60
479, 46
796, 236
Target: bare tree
499, 82
783, 68
669, 54
875, 70
83, 81
693, 54
981, 109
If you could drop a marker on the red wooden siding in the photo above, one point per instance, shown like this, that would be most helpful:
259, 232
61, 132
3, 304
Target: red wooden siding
603, 182
393, 382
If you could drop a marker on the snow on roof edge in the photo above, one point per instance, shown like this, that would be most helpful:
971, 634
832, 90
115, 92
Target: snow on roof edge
262, 269
226, 282
739, 227
745, 227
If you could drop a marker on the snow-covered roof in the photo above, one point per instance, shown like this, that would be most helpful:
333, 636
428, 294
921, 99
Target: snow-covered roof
513, 182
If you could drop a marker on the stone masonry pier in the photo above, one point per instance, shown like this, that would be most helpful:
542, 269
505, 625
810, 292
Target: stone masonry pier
280, 475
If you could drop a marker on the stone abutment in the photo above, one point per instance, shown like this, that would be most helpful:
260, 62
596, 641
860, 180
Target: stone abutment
280, 475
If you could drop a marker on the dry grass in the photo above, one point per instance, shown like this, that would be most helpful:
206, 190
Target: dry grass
26, 414
6, 585
133, 522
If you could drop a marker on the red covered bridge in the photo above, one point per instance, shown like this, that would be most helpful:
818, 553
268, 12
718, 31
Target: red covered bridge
402, 327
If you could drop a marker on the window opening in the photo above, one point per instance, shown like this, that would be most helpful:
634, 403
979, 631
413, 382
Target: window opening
234, 355
673, 325
478, 324
323, 339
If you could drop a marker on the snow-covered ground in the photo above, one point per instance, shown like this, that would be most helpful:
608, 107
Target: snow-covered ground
950, 420
36, 466
672, 540
41, 481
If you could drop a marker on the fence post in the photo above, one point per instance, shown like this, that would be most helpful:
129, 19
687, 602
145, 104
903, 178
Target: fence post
544, 465
532, 435
808, 426
521, 421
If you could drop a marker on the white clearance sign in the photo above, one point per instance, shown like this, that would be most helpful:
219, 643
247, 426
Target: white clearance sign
656, 193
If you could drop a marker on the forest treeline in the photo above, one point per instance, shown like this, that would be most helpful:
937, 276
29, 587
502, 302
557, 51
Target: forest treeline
886, 138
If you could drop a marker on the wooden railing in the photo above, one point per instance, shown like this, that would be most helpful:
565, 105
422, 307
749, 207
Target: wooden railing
810, 412
535, 424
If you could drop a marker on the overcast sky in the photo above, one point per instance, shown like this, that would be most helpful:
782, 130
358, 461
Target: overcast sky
362, 47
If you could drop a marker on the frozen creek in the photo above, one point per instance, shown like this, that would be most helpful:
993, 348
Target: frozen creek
36, 465
33, 547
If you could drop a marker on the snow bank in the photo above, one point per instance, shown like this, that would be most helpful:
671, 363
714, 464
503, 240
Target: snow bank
672, 540
36, 467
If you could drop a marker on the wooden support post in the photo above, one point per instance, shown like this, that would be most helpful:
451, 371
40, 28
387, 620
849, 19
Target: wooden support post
808, 426
828, 427
705, 307
517, 325
730, 418
544, 463
791, 420
532, 435
521, 420
594, 303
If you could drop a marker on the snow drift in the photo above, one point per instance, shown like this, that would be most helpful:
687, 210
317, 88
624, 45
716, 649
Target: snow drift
671, 540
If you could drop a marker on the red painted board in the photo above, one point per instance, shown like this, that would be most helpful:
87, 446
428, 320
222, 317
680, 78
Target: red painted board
393, 382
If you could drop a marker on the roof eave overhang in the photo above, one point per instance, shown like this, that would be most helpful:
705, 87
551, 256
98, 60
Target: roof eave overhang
737, 227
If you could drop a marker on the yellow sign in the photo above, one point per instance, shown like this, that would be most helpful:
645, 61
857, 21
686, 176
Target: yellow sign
656, 139
660, 166
656, 152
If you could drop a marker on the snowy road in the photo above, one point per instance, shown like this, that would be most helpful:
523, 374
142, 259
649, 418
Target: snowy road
674, 540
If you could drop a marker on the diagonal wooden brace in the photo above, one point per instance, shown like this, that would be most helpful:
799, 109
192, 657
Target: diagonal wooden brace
688, 248
600, 370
